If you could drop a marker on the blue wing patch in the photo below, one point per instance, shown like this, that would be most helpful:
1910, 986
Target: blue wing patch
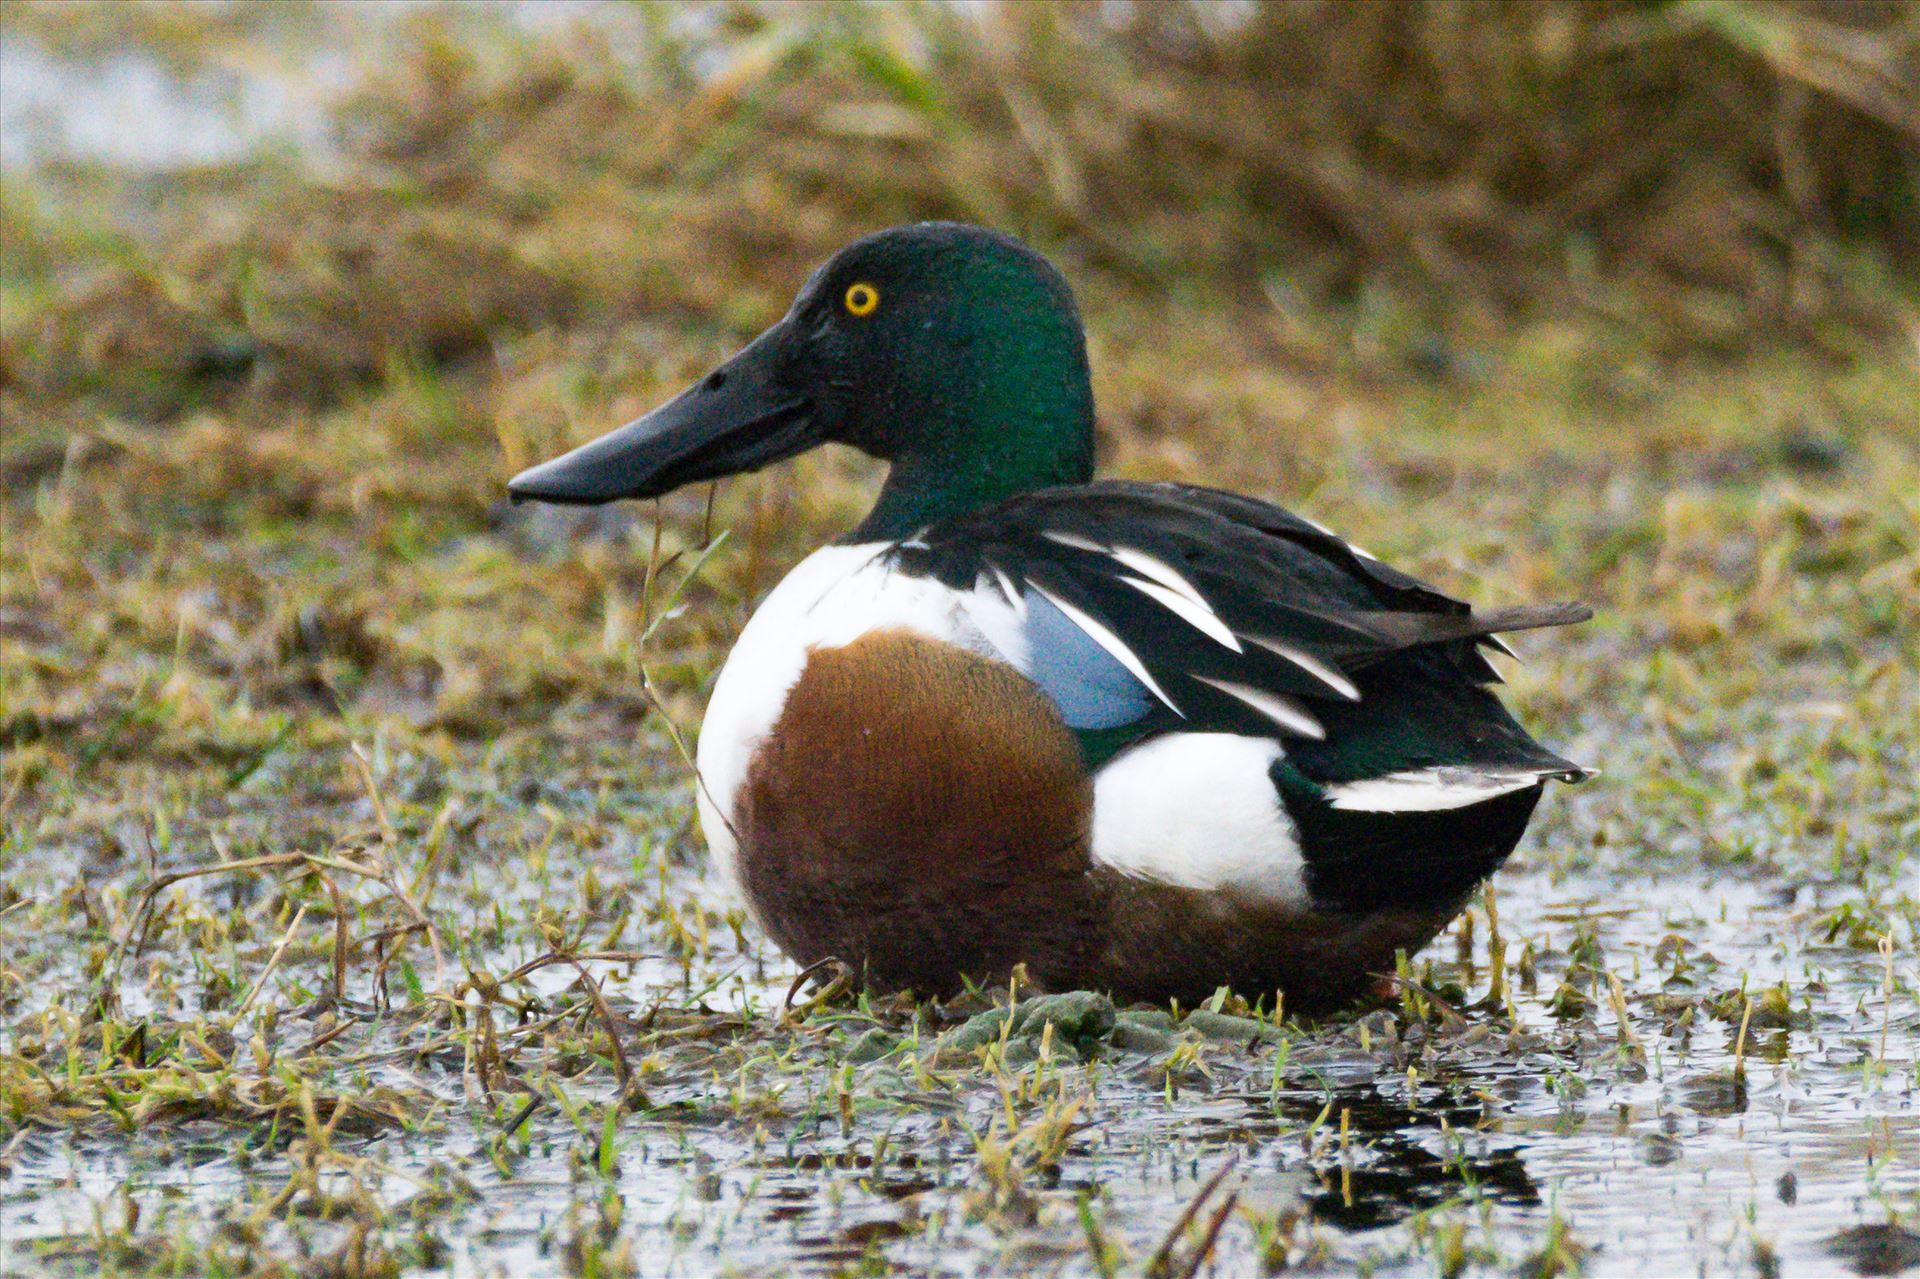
1089, 685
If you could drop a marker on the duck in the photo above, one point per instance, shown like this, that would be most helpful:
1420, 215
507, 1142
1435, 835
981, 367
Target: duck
1146, 738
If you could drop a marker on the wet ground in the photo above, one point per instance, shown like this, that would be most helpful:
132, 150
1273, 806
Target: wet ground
469, 1003
1459, 1127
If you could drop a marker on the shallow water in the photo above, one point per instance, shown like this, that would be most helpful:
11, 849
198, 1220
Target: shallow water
1649, 1149
128, 107
762, 1147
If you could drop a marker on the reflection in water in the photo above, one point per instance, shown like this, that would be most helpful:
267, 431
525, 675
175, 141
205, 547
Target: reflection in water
1646, 1143
1398, 1174
1660, 1156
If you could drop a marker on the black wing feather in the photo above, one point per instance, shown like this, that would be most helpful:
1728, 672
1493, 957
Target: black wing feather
1300, 601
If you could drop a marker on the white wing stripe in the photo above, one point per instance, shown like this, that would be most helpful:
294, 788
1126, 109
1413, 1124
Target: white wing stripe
1015, 599
1277, 707
1161, 572
1074, 540
1317, 526
1200, 618
1312, 665
1107, 640
1429, 790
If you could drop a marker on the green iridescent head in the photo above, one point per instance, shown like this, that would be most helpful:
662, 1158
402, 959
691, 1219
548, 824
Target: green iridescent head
952, 352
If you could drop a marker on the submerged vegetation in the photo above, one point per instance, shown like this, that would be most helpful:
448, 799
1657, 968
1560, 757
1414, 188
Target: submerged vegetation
352, 916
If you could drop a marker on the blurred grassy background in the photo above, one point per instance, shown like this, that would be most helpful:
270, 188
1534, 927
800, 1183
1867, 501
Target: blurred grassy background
1362, 257
1614, 301
1698, 175
1421, 267
1396, 262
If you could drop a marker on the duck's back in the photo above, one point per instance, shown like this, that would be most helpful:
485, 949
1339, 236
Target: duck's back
1146, 737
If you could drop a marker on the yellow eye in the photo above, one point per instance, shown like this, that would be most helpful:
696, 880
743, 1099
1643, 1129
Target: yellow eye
862, 298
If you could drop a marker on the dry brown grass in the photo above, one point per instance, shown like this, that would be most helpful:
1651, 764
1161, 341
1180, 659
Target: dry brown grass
1537, 302
1698, 174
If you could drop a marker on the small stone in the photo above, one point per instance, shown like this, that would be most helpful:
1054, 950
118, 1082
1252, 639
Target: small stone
873, 1045
1877, 1250
1133, 1036
1159, 1018
1240, 1030
1659, 1150
1021, 1051
1717, 1094
977, 1031
1080, 1017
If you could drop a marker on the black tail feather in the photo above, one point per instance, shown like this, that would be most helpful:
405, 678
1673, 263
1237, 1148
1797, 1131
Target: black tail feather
1409, 630
1530, 617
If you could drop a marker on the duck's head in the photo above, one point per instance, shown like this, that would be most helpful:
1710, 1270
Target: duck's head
953, 352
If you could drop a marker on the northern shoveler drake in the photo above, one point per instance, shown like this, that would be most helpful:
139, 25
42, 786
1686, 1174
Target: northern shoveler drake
1146, 738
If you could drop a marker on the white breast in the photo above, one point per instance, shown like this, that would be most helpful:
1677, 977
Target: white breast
1196, 810
830, 599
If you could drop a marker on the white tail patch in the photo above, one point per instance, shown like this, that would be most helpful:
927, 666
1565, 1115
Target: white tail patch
1278, 707
1107, 640
1197, 615
1312, 665
1431, 790
1077, 542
